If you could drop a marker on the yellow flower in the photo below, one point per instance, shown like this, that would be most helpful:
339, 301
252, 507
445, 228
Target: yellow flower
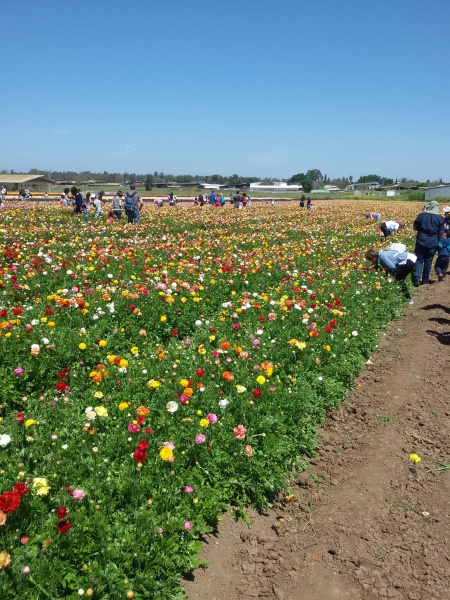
98, 395
110, 358
415, 458
202, 350
102, 343
40, 486
82, 346
241, 389
5, 559
123, 405
123, 363
204, 423
293, 342
51, 324
29, 423
268, 371
101, 411
301, 345
261, 379
184, 383
165, 454
163, 318
153, 384
134, 350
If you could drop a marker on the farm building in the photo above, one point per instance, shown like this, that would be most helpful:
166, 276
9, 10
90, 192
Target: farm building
438, 190
35, 183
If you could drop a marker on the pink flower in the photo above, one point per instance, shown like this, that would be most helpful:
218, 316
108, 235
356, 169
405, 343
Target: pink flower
248, 450
212, 418
256, 342
169, 445
78, 494
187, 525
18, 372
134, 428
24, 539
26, 570
236, 326
239, 432
188, 489
272, 316
200, 439
184, 399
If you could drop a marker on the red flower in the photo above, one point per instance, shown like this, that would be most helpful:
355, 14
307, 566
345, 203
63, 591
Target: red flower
21, 488
132, 307
61, 386
17, 311
3, 313
62, 374
257, 393
140, 454
328, 329
174, 332
20, 417
9, 502
64, 526
48, 312
62, 512
200, 372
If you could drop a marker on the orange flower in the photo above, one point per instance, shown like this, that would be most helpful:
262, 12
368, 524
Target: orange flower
142, 411
227, 376
188, 391
225, 345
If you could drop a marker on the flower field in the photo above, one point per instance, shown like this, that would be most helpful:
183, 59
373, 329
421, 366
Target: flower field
154, 375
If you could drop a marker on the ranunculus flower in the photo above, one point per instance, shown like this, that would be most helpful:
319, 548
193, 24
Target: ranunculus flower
21, 488
9, 502
19, 372
78, 494
5, 559
188, 489
61, 512
64, 526
248, 450
29, 423
166, 454
257, 393
40, 486
5, 439
200, 438
101, 411
134, 428
187, 525
239, 432
212, 418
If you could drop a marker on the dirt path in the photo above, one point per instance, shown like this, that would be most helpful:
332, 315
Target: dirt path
365, 523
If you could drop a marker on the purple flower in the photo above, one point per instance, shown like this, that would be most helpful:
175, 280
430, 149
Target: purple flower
134, 428
200, 439
212, 418
18, 372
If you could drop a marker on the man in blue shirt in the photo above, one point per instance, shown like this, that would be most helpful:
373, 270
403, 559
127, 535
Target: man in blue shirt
212, 199
430, 227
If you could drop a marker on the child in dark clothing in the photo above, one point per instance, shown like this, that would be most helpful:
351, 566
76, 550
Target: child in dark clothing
443, 258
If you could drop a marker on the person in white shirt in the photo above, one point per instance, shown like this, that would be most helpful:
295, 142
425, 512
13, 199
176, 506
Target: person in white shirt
390, 228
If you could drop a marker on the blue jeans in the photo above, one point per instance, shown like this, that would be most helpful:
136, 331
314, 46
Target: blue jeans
423, 263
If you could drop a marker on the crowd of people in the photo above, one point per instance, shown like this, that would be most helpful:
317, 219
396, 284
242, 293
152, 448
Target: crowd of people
433, 237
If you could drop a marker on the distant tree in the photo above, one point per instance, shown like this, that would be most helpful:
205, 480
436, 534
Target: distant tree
350, 178
297, 178
307, 185
314, 174
148, 183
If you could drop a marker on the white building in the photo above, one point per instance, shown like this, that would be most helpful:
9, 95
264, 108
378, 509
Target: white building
277, 186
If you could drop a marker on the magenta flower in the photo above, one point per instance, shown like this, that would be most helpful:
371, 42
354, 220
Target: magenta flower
187, 525
236, 326
200, 439
212, 418
18, 372
188, 489
134, 428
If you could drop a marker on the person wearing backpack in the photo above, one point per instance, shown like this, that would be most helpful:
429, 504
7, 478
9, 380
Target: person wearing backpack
132, 203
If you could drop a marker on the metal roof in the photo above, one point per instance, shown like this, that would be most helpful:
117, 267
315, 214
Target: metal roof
22, 178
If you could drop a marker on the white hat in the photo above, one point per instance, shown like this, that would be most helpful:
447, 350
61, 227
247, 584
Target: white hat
447, 209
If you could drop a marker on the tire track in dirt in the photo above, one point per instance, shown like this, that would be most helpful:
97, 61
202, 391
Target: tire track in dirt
365, 523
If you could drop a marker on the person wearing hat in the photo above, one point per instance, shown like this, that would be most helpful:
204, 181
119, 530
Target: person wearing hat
447, 218
430, 227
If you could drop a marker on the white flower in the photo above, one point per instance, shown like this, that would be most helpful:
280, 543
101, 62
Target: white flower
354, 333
122, 369
5, 439
198, 322
64, 446
35, 322
172, 406
223, 403
44, 341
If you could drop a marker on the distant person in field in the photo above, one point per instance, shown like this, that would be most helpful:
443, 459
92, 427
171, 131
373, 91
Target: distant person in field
308, 203
447, 218
398, 264
78, 200
3, 192
443, 257
117, 205
172, 199
98, 205
373, 216
212, 198
22, 194
132, 205
390, 228
302, 202
430, 227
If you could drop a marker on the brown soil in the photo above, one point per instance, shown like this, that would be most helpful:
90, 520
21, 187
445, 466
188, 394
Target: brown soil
365, 522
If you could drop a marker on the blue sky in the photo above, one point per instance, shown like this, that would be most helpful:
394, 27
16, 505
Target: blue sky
257, 88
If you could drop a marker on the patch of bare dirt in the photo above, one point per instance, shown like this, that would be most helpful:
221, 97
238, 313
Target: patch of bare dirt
362, 522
